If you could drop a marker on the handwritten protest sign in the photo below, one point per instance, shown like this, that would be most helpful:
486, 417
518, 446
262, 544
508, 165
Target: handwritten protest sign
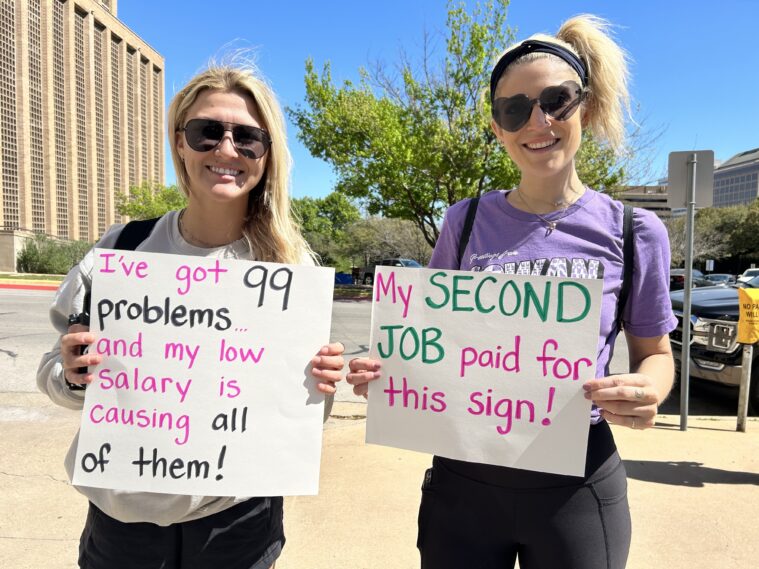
484, 367
205, 386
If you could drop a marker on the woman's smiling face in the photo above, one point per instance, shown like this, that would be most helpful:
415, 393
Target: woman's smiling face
544, 147
222, 174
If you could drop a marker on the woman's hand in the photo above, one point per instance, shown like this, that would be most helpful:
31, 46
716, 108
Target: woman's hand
362, 371
629, 399
72, 345
328, 366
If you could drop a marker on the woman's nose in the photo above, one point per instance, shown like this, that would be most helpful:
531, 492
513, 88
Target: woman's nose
538, 118
227, 149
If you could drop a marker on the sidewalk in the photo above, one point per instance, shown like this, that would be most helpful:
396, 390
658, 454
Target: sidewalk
694, 495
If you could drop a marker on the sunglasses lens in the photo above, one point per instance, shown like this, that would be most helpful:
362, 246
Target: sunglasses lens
203, 135
560, 101
250, 141
512, 113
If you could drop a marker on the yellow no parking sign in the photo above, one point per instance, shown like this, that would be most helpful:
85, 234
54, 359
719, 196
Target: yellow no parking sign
748, 322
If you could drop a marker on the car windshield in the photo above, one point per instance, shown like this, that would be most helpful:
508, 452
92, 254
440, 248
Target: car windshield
753, 283
411, 263
751, 273
718, 277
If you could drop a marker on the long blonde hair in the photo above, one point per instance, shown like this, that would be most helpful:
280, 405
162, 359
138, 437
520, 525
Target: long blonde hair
270, 229
608, 99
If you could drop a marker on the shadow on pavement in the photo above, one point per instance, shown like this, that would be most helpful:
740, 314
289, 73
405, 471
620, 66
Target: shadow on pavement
693, 474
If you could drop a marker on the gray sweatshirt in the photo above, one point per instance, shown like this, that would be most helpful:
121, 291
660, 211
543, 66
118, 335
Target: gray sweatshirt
128, 506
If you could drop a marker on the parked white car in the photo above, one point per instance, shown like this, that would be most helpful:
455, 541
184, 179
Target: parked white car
747, 275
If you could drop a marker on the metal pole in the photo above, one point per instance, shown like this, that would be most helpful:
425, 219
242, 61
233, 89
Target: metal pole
748, 356
689, 224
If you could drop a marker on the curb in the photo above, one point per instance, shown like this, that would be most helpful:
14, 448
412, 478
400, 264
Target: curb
30, 286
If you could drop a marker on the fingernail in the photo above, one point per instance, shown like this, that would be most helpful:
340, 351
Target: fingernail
587, 395
376, 374
586, 386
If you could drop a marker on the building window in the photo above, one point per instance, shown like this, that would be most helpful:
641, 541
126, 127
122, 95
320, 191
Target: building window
144, 126
157, 126
35, 115
116, 115
8, 113
59, 110
81, 123
98, 47
131, 117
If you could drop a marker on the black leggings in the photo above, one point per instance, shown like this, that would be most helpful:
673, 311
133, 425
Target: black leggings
248, 535
476, 516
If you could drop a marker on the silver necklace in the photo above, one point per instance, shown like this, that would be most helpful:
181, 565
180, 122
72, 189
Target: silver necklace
551, 225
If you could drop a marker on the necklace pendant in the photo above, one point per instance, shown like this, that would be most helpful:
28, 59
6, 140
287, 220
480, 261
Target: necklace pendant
551, 225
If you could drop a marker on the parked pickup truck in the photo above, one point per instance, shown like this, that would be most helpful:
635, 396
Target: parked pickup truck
714, 352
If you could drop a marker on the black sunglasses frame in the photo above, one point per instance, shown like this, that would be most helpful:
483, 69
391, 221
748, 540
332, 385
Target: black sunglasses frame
566, 112
258, 134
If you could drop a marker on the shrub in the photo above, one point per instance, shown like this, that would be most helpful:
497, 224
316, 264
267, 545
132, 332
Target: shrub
44, 255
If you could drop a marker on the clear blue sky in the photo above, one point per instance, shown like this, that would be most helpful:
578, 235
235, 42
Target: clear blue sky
695, 63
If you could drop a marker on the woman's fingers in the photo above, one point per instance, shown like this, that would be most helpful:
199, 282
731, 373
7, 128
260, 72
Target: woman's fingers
72, 345
629, 400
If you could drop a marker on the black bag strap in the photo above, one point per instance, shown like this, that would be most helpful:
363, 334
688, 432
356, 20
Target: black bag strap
134, 233
471, 212
628, 260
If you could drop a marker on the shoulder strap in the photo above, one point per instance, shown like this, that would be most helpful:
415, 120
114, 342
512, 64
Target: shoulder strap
134, 233
471, 212
628, 259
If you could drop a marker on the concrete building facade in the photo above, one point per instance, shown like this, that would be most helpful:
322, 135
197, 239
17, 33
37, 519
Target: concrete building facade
653, 198
736, 181
81, 117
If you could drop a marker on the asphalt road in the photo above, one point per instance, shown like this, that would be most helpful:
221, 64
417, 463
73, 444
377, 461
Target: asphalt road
27, 334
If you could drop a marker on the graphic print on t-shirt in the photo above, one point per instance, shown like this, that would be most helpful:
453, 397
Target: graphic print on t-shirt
574, 268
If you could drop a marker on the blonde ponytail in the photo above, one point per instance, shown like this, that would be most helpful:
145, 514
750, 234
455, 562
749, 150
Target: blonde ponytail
608, 100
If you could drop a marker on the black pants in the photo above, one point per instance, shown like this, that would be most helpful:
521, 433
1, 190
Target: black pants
248, 535
482, 517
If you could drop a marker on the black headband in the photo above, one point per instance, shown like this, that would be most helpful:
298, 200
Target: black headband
530, 46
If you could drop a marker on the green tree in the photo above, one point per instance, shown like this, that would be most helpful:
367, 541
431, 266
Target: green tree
744, 237
375, 238
149, 200
324, 221
719, 233
411, 143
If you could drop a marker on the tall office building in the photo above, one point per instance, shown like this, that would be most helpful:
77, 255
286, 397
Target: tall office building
81, 117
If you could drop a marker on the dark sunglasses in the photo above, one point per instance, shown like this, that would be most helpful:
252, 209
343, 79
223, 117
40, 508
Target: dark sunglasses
206, 134
559, 102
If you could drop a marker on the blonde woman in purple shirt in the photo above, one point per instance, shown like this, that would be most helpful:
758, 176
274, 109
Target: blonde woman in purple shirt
544, 92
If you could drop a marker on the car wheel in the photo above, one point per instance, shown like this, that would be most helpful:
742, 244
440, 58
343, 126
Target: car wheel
368, 279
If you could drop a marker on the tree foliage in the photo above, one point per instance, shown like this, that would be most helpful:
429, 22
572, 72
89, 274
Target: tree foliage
149, 200
44, 255
377, 238
324, 221
412, 141
719, 233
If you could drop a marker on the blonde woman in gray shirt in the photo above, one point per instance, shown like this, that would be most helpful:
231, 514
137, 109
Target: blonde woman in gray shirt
227, 139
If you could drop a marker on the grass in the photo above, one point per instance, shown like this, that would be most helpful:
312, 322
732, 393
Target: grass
353, 292
20, 277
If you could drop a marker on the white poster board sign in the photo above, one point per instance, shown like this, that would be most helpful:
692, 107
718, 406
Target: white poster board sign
205, 387
484, 367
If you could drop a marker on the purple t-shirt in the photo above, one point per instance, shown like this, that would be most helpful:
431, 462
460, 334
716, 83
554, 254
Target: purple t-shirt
587, 243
